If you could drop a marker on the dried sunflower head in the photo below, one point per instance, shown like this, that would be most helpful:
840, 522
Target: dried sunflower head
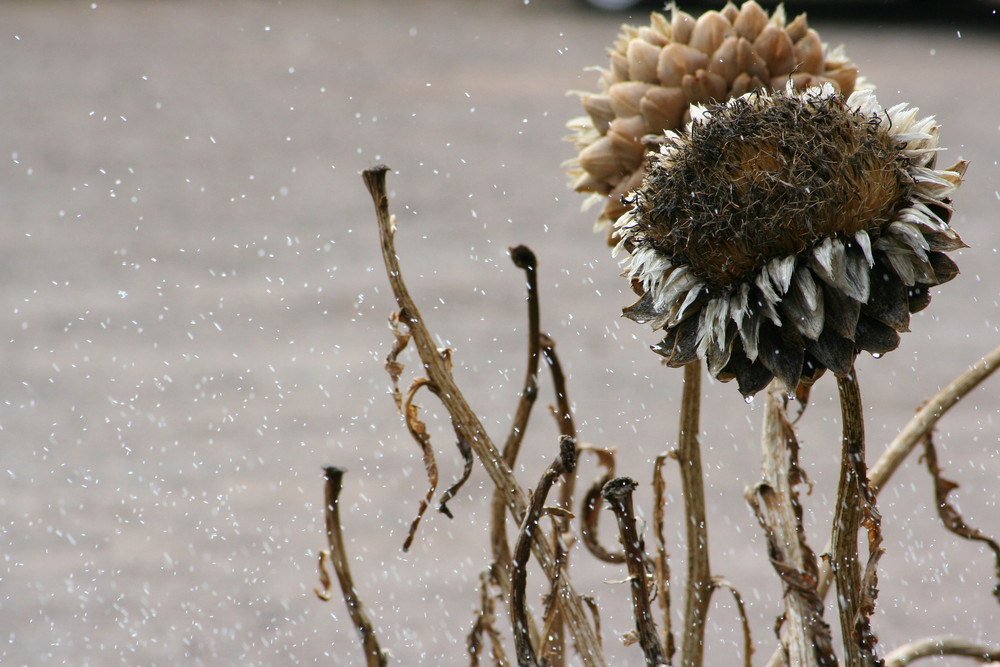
657, 71
782, 233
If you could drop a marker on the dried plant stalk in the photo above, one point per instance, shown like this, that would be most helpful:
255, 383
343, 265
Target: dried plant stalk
806, 641
484, 625
928, 416
855, 600
524, 259
719, 582
565, 463
662, 562
699, 576
591, 506
464, 418
374, 656
618, 493
922, 423
909, 436
938, 646
555, 652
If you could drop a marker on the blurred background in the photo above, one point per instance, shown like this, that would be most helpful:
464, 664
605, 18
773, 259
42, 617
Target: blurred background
194, 322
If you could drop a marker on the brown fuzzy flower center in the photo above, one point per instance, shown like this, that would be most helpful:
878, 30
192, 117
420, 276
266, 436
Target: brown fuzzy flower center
766, 177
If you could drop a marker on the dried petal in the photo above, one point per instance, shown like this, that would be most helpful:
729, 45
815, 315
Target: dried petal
751, 20
888, 303
833, 351
709, 31
781, 352
777, 50
875, 337
642, 57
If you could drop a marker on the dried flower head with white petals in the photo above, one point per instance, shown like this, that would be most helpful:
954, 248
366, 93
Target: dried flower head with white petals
782, 233
657, 71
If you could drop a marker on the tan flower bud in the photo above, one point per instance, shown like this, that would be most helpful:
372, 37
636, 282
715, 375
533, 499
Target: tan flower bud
656, 71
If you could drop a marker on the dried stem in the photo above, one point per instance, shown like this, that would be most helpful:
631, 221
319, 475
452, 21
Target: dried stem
564, 464
524, 259
590, 511
484, 625
922, 423
718, 582
465, 418
618, 493
852, 497
938, 646
662, 563
928, 416
555, 645
806, 640
699, 578
374, 656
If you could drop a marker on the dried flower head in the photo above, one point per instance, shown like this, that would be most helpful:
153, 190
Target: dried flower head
658, 71
782, 233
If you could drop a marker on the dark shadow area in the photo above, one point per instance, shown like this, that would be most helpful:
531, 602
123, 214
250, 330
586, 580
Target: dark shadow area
965, 15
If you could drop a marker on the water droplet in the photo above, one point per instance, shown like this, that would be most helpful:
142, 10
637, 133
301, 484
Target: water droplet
748, 399
877, 355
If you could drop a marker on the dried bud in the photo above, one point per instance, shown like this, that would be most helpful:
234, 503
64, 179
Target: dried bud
657, 71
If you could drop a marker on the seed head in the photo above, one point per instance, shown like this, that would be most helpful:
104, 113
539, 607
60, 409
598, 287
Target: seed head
780, 234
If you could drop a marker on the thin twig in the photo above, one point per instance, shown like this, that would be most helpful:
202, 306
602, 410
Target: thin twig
484, 624
928, 416
374, 656
938, 646
461, 413
523, 258
618, 493
564, 463
699, 577
719, 582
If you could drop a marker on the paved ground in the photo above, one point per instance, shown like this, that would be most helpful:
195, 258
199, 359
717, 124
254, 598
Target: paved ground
194, 322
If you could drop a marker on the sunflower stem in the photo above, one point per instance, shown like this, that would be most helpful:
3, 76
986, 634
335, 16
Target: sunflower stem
917, 428
699, 578
806, 641
852, 493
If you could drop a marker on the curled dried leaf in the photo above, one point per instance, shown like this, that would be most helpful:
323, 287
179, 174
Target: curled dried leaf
419, 432
392, 364
950, 517
324, 577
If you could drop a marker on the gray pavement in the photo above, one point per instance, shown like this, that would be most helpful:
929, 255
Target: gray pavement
194, 323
